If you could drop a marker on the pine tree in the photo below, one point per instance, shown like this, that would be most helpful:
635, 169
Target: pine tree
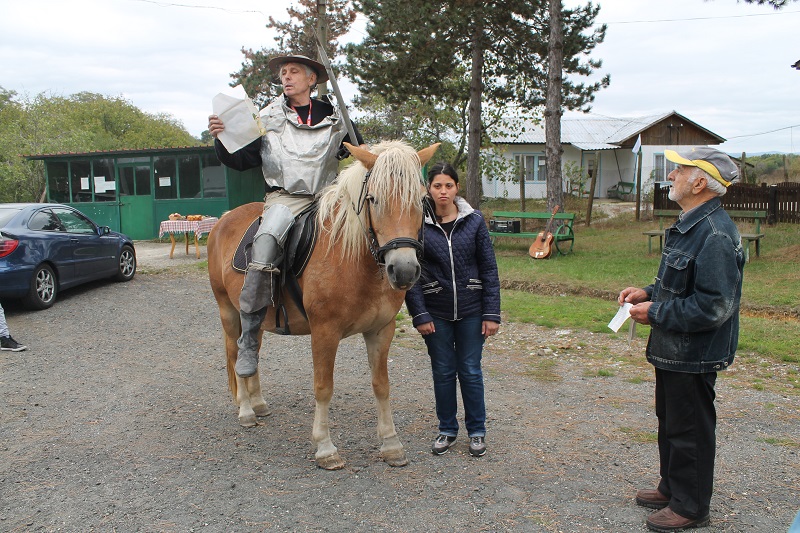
296, 36
462, 53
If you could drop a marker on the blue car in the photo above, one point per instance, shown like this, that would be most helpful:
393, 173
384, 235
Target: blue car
47, 248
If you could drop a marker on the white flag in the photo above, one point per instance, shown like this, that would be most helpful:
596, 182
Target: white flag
638, 145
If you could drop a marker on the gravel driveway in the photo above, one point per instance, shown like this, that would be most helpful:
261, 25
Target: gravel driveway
118, 418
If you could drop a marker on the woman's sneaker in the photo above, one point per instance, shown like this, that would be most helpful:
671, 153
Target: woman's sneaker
477, 446
10, 345
442, 444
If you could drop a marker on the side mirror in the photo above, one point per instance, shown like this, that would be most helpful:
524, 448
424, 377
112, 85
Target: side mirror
103, 230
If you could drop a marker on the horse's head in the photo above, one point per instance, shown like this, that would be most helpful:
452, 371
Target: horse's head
391, 199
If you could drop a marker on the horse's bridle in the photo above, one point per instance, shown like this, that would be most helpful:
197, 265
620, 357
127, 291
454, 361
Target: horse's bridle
379, 252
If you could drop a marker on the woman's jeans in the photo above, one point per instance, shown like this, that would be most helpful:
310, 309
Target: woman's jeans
455, 350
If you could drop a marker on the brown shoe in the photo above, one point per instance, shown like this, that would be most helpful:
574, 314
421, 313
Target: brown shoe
667, 520
651, 499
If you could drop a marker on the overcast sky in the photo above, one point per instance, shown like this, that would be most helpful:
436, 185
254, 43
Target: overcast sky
722, 64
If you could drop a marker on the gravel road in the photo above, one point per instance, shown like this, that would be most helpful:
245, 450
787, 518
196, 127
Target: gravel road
118, 418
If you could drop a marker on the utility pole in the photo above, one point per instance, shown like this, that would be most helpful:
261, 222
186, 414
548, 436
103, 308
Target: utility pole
322, 31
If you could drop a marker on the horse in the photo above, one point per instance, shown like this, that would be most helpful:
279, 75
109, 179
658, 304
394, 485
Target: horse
364, 261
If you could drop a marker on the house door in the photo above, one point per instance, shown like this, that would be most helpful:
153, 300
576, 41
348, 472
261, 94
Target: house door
588, 162
136, 201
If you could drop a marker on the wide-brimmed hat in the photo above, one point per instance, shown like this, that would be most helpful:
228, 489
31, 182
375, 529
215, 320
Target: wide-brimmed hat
717, 164
276, 62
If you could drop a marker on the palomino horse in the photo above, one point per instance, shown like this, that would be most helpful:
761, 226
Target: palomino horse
355, 281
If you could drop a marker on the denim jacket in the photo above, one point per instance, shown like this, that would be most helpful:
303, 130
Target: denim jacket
696, 295
459, 272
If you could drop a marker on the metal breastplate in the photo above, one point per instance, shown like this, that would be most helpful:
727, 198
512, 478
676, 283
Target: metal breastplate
298, 158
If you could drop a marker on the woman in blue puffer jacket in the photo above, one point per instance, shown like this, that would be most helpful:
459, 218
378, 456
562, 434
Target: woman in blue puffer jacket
455, 306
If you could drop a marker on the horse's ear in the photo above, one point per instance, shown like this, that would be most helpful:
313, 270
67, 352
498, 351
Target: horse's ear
366, 157
426, 153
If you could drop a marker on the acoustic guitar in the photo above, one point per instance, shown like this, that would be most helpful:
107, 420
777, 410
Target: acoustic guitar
542, 246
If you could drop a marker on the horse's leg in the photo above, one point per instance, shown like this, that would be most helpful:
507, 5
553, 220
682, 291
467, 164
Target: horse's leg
323, 348
249, 396
257, 401
378, 352
242, 393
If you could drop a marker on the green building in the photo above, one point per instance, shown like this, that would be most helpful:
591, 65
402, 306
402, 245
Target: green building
132, 191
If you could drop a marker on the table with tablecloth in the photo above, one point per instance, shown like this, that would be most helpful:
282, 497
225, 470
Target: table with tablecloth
198, 227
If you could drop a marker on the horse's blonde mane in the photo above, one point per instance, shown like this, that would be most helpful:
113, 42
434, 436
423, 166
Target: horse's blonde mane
396, 175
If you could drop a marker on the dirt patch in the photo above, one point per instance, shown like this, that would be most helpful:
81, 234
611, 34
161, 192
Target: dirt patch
118, 418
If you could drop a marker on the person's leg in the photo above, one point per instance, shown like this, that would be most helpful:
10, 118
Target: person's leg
3, 325
7, 343
663, 442
258, 289
469, 348
441, 349
689, 425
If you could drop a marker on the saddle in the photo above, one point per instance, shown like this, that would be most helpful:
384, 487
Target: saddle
296, 252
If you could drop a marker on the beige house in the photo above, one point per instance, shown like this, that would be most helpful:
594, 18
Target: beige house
592, 143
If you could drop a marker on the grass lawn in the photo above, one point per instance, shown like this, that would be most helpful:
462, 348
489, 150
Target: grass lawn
579, 290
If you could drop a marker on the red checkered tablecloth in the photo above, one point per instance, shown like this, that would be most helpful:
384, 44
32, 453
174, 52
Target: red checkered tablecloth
198, 227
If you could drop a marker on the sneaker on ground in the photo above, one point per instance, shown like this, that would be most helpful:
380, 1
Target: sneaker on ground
477, 446
442, 444
10, 345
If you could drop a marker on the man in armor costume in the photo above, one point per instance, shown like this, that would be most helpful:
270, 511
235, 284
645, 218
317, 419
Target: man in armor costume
299, 155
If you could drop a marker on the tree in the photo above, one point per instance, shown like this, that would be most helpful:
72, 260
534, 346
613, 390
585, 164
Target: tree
552, 113
79, 123
460, 53
295, 36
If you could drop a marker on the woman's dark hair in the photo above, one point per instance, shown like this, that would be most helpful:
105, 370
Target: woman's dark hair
442, 168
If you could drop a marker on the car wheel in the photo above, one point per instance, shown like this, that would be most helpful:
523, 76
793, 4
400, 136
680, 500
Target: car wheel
44, 287
127, 264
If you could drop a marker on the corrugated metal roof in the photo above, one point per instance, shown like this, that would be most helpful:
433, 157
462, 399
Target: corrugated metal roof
122, 152
596, 131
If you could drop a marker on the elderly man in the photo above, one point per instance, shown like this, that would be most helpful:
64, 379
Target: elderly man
693, 309
299, 156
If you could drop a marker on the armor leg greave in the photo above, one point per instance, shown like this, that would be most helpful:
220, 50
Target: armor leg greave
247, 358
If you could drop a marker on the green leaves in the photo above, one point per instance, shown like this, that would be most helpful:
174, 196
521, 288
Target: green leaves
81, 122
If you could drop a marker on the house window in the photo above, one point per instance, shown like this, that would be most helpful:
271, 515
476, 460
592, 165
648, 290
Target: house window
662, 167
213, 177
166, 178
189, 176
80, 181
105, 189
58, 181
532, 166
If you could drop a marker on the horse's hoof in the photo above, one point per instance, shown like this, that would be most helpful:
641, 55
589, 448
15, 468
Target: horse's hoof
262, 410
396, 458
248, 421
331, 462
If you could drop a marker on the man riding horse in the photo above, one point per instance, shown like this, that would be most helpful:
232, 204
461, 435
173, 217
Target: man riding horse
299, 156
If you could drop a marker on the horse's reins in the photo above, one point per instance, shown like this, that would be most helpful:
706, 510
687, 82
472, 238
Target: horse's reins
379, 252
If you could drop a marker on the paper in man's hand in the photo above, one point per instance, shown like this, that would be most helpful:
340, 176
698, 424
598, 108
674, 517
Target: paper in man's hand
240, 116
622, 315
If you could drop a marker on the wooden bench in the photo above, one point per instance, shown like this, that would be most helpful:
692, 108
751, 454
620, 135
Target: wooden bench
754, 217
660, 214
621, 189
562, 233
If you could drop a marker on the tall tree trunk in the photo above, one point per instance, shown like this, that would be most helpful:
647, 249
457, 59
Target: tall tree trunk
475, 128
552, 113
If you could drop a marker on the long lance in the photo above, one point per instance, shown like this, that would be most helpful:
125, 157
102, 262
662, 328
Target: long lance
335, 85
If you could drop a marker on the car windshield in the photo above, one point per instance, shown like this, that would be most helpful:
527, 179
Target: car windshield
6, 213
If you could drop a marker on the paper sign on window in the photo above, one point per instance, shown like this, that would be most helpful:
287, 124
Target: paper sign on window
164, 181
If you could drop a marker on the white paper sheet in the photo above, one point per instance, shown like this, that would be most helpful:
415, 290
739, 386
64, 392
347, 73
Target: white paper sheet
240, 116
622, 315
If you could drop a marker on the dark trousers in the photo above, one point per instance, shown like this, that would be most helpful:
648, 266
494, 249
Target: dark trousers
687, 422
